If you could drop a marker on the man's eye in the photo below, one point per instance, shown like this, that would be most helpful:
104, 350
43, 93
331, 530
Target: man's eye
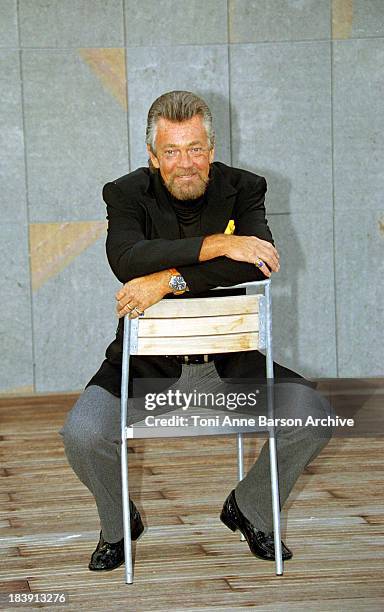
196, 149
169, 152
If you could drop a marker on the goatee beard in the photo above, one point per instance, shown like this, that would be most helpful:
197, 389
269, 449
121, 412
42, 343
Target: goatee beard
187, 192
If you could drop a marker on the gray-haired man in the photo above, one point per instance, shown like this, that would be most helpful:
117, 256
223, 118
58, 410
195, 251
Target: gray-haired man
182, 226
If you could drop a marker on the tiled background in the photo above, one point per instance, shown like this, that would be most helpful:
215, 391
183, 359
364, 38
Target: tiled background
296, 87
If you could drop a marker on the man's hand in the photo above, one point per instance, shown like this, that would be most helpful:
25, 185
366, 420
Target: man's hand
253, 250
140, 293
241, 248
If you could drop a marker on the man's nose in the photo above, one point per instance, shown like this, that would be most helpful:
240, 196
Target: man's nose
185, 159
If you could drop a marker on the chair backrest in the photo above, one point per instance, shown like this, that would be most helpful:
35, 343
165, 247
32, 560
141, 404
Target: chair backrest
199, 325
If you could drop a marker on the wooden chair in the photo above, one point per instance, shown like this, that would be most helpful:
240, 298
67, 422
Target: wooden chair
200, 326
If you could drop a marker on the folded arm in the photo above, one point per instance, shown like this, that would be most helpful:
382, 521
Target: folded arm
130, 254
204, 262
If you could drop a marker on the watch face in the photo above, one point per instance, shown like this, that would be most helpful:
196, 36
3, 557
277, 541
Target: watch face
177, 283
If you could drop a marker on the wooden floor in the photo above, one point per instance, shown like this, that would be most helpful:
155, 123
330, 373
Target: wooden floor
187, 559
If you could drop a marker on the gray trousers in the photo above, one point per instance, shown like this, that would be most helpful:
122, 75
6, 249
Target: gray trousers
92, 436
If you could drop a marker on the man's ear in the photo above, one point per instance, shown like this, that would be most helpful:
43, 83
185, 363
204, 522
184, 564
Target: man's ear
211, 155
153, 158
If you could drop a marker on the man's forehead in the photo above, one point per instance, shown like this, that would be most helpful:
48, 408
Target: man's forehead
192, 129
196, 120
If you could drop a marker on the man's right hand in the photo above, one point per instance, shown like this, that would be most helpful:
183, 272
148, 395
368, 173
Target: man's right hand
241, 248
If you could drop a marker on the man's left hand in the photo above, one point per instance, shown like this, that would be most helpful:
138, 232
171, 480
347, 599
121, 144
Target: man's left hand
140, 293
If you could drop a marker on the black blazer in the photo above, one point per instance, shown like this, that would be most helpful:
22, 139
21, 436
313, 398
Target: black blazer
144, 237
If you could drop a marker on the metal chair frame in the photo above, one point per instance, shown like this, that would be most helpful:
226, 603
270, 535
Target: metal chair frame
130, 343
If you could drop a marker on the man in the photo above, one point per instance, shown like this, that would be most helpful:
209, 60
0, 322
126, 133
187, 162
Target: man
167, 237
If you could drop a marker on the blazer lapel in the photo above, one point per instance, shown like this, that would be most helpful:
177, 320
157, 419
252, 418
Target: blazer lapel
221, 198
163, 215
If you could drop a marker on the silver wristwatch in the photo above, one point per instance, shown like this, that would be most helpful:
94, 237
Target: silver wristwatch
177, 283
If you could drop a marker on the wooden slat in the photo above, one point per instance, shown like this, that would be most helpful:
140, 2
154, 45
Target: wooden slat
198, 307
201, 326
227, 343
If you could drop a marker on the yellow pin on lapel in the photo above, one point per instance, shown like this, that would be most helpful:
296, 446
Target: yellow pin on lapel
230, 227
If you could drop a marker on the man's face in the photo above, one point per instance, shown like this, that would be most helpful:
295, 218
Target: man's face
183, 156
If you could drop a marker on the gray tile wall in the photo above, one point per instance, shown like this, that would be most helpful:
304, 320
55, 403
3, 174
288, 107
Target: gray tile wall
8, 24
281, 121
73, 23
252, 21
76, 136
173, 23
296, 91
13, 189
74, 321
368, 18
16, 371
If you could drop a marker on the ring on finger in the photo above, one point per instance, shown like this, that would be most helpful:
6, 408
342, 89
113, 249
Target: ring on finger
139, 312
259, 263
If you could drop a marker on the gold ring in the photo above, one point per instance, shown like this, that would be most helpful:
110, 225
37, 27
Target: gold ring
259, 263
139, 312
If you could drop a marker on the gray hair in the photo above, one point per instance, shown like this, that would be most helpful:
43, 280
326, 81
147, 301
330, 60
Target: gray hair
178, 106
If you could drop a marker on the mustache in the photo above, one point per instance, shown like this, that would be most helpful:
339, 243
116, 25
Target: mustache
191, 173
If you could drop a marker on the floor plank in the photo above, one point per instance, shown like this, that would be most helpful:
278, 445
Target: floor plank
186, 559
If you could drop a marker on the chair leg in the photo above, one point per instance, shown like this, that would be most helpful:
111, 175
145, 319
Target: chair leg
275, 505
240, 466
129, 328
126, 514
272, 440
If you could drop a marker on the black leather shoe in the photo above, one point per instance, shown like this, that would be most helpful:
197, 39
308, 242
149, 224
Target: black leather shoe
108, 556
260, 543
